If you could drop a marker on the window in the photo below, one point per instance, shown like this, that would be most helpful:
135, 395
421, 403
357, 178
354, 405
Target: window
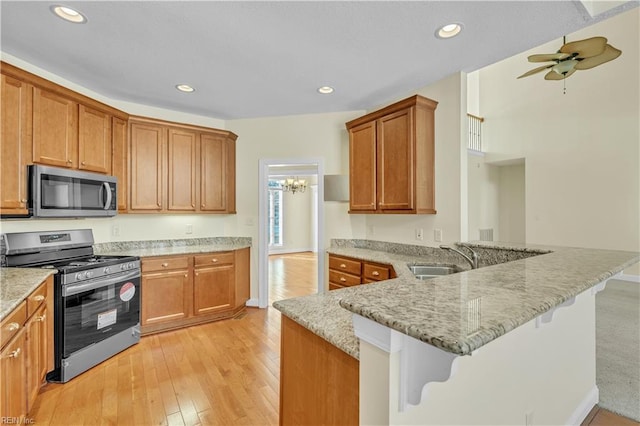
274, 206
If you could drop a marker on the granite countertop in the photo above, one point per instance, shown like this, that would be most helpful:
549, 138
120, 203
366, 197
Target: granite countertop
172, 247
17, 283
461, 312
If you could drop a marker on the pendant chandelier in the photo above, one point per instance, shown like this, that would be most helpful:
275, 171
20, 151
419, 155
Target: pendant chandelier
294, 185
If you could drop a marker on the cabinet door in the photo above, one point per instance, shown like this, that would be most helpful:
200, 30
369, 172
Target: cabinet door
147, 170
395, 158
55, 130
94, 140
213, 289
37, 342
182, 170
165, 296
362, 168
15, 142
213, 173
120, 161
13, 392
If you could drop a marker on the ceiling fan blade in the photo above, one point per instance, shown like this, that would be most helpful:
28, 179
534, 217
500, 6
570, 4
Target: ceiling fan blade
586, 48
609, 54
552, 75
536, 70
544, 57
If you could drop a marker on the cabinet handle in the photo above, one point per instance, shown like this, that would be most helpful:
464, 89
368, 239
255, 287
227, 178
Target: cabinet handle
342, 265
158, 204
197, 274
202, 205
186, 275
38, 298
375, 273
193, 204
83, 163
164, 265
14, 354
69, 162
214, 260
41, 318
343, 279
13, 326
24, 201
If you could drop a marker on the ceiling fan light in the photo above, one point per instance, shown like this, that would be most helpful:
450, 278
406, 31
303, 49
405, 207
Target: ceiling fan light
564, 66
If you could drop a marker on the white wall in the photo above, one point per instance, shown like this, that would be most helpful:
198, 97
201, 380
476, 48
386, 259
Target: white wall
483, 193
582, 149
297, 222
511, 209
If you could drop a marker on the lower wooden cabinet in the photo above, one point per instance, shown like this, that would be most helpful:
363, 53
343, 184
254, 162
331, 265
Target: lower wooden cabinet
346, 272
178, 291
26, 354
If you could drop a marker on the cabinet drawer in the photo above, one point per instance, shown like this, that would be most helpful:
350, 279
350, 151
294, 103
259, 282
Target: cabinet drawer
343, 279
344, 264
164, 263
35, 299
376, 272
13, 323
334, 286
220, 258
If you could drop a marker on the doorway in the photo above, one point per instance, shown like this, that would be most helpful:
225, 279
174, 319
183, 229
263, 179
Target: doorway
312, 170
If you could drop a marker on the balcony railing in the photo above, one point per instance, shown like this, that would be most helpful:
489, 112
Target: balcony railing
475, 132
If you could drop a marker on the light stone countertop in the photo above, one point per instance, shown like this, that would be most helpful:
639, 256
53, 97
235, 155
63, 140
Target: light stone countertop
17, 283
461, 312
172, 247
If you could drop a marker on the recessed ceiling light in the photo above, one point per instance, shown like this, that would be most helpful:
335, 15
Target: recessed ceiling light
185, 88
449, 30
69, 14
325, 90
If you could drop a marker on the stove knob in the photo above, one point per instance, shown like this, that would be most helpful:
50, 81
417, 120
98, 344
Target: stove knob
105, 270
78, 276
122, 266
89, 274
131, 265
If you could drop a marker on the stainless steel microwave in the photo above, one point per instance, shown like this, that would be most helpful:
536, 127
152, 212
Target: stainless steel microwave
58, 192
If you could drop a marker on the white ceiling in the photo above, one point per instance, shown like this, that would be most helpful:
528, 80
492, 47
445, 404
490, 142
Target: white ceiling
260, 59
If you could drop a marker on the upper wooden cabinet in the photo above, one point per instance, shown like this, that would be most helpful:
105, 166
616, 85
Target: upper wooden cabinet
392, 159
120, 160
55, 124
15, 142
94, 140
180, 168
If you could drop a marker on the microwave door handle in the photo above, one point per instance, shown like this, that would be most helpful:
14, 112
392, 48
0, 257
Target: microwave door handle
107, 189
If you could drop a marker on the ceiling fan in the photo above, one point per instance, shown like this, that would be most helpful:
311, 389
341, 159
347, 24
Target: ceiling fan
576, 55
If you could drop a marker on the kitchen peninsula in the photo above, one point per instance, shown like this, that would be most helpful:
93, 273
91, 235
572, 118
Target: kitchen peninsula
512, 342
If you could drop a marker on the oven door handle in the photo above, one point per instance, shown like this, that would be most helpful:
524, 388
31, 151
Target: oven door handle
71, 289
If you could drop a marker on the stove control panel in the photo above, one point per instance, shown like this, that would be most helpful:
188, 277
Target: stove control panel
101, 271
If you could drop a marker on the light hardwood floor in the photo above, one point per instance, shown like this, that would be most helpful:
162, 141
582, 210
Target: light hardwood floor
222, 373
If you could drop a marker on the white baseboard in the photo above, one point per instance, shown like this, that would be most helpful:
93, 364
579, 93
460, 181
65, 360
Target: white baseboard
584, 408
289, 250
253, 303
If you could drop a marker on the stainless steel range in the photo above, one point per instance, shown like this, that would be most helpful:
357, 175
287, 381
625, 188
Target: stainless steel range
96, 298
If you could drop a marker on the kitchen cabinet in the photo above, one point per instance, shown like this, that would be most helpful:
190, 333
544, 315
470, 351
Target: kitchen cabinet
166, 289
213, 283
15, 140
55, 129
346, 272
120, 160
94, 140
26, 351
181, 168
179, 291
392, 159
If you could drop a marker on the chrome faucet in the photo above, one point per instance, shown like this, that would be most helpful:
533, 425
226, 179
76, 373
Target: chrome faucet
473, 260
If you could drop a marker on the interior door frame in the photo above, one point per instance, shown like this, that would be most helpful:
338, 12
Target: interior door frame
263, 238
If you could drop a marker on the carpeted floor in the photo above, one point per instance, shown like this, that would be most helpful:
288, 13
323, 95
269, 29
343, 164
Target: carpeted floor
618, 348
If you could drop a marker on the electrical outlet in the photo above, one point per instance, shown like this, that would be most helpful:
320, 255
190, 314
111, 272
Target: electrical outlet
115, 230
419, 236
437, 234
189, 229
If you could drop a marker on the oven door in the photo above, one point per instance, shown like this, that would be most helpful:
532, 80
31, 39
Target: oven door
97, 309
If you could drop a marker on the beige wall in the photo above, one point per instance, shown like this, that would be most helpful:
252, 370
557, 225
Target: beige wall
511, 204
581, 148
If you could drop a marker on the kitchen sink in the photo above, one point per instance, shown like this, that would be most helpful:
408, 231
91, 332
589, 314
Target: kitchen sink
426, 271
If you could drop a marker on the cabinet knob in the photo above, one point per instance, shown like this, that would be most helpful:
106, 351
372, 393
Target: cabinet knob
38, 298
202, 205
197, 274
164, 265
158, 204
13, 326
375, 273
214, 260
186, 275
342, 265
14, 354
41, 318
193, 204
69, 162
342, 279
24, 201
